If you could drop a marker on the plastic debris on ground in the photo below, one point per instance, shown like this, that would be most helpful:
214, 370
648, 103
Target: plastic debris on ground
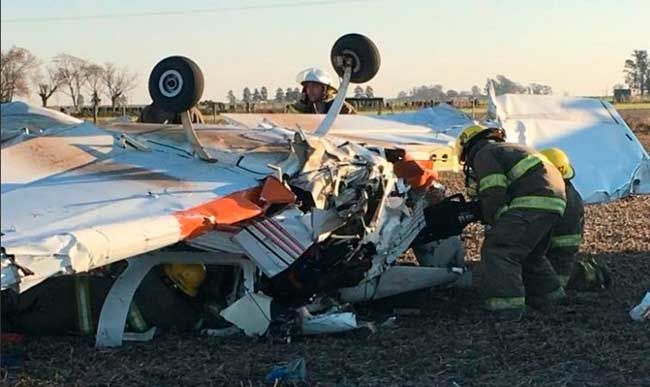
329, 323
140, 336
225, 332
390, 322
641, 312
407, 311
293, 372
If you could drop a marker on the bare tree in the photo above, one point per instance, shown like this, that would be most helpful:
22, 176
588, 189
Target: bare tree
47, 85
71, 72
118, 82
93, 77
17, 66
370, 92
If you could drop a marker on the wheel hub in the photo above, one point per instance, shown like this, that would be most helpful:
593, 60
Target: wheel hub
170, 83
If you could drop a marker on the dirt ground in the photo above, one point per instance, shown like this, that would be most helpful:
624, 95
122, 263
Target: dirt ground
591, 341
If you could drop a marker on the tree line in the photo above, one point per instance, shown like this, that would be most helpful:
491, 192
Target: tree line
22, 73
262, 95
288, 95
502, 85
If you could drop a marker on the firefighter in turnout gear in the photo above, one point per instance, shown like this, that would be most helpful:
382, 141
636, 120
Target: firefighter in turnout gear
522, 197
567, 235
318, 93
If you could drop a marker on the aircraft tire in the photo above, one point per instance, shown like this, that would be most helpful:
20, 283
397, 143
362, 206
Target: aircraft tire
362, 53
176, 84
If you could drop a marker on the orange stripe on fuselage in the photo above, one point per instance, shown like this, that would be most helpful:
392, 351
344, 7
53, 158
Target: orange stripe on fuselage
228, 210
234, 208
417, 173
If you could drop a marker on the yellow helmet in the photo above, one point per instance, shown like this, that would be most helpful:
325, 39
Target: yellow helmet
473, 132
188, 277
561, 161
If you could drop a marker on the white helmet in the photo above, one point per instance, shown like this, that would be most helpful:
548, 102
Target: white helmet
317, 75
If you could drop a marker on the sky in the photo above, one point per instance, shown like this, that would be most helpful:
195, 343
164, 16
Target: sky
576, 46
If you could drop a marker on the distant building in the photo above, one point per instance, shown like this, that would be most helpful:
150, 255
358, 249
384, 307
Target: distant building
622, 95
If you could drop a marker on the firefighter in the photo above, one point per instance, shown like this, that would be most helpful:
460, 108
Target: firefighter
318, 93
47, 308
521, 195
588, 274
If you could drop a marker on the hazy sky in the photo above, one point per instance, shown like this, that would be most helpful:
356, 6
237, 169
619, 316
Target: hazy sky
576, 46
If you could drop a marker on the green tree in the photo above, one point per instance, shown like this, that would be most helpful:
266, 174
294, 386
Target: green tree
246, 95
637, 72
256, 95
279, 95
231, 97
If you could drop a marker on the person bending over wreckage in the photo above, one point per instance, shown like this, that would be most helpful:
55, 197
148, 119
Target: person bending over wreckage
170, 298
588, 274
522, 196
318, 92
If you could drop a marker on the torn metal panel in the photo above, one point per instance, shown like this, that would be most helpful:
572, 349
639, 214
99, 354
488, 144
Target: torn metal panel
275, 243
251, 313
322, 223
218, 241
438, 253
400, 279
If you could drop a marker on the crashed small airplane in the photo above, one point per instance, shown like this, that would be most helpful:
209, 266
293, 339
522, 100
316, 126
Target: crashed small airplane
275, 223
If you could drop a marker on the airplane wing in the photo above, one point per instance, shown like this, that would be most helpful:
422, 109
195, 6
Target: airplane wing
77, 197
610, 161
421, 142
